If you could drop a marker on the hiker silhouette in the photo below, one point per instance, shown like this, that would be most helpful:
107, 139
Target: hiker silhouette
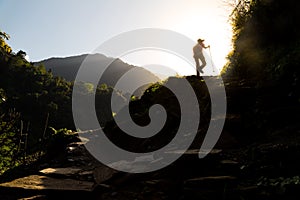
198, 55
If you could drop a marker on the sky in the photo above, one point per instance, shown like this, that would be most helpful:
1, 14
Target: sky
60, 28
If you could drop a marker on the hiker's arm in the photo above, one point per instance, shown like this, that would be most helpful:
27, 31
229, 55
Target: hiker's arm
205, 47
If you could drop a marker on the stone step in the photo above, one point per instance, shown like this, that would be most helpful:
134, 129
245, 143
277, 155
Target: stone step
230, 167
38, 183
35, 197
209, 182
211, 187
103, 173
68, 172
191, 157
193, 154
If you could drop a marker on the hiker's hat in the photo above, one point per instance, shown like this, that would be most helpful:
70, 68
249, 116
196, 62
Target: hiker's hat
200, 40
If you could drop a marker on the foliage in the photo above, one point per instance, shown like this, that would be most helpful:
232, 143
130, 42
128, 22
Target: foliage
9, 140
153, 90
57, 140
266, 41
2, 96
265, 61
41, 100
30, 94
279, 184
4, 48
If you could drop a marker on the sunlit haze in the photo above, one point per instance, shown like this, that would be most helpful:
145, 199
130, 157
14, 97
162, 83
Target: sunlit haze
45, 29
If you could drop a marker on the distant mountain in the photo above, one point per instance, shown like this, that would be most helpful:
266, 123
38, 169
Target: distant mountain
67, 68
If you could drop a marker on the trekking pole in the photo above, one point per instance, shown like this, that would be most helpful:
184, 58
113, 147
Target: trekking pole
212, 64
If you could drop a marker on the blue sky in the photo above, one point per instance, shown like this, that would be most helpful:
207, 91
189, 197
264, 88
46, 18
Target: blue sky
62, 28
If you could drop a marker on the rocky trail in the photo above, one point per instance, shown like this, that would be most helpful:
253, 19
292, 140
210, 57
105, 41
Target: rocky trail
222, 174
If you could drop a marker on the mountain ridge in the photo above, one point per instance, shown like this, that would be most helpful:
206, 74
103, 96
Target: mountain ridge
112, 68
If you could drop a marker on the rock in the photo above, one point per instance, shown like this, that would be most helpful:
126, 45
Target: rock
140, 164
103, 173
36, 197
230, 167
229, 162
69, 171
37, 182
192, 156
195, 152
211, 187
210, 181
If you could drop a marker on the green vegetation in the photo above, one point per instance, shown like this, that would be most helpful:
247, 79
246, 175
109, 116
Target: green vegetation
31, 101
265, 62
266, 42
9, 141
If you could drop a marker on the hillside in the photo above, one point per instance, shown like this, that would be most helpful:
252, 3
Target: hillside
69, 66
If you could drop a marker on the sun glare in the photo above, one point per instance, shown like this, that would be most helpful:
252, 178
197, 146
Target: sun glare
160, 62
197, 19
214, 29
27, 57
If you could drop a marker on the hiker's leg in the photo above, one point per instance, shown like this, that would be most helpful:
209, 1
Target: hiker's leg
197, 65
203, 61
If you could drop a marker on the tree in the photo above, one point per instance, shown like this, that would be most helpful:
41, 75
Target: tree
30, 94
4, 35
22, 54
265, 41
4, 48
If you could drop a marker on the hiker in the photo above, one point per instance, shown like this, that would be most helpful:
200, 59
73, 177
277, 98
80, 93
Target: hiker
198, 55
